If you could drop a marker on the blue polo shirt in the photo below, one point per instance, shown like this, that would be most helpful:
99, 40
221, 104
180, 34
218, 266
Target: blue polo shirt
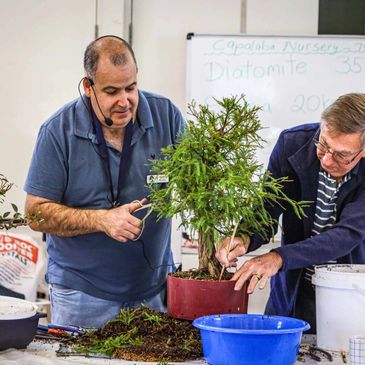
66, 167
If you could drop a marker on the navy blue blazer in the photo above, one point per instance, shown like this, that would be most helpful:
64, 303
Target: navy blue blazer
295, 156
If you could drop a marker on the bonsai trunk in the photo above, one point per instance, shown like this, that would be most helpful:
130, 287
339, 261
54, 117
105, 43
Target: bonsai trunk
207, 260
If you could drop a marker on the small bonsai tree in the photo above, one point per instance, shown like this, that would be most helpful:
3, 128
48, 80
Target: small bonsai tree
216, 184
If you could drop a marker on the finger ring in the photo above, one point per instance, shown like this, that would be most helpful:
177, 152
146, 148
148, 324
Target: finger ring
137, 201
259, 276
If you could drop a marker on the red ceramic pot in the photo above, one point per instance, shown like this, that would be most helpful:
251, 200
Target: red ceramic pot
190, 299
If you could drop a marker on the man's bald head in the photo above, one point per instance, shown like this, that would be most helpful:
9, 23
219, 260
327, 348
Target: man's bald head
116, 49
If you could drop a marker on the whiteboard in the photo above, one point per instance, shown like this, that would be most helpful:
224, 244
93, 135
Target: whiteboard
292, 78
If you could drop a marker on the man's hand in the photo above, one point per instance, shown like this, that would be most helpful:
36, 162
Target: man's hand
258, 270
120, 224
64, 221
238, 248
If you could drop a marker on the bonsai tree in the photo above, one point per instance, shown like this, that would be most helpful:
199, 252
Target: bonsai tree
216, 184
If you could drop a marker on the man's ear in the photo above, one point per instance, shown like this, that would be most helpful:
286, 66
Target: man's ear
87, 86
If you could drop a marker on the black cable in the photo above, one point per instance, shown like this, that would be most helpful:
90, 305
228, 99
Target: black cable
92, 119
153, 268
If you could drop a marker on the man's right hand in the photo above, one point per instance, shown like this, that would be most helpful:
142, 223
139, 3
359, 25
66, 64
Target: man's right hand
61, 220
120, 224
226, 255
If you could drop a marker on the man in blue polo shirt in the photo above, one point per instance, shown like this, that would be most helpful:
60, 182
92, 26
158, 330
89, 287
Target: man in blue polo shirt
88, 177
325, 165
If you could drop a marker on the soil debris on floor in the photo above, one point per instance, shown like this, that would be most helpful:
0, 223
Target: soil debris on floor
142, 335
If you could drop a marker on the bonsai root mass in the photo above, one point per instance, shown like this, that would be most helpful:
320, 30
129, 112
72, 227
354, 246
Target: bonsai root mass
142, 335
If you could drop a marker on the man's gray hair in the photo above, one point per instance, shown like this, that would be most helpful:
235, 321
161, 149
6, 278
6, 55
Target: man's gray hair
347, 115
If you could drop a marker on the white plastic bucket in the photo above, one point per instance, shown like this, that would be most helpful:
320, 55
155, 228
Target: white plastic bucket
340, 304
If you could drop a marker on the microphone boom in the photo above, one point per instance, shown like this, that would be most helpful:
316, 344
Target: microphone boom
107, 121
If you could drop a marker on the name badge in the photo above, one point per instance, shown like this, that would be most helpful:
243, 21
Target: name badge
157, 179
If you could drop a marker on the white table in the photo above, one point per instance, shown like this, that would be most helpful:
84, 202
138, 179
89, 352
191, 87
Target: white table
40, 353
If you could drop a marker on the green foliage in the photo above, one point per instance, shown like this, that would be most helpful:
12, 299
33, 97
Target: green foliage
152, 318
9, 219
13, 219
215, 179
109, 345
126, 316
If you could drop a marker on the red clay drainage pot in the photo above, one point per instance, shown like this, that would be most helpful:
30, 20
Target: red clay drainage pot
190, 299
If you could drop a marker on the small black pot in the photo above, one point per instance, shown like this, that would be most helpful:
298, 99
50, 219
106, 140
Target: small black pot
18, 333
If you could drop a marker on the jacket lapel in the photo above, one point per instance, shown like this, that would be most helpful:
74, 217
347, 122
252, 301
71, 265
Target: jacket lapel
306, 165
357, 178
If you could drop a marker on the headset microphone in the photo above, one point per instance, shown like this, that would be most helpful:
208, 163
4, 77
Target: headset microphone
107, 121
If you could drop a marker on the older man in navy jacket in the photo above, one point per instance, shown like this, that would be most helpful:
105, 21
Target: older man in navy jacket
324, 162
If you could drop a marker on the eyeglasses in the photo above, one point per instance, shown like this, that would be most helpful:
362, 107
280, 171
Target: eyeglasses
337, 156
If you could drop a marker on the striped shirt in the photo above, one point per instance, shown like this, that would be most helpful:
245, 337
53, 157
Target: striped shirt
325, 214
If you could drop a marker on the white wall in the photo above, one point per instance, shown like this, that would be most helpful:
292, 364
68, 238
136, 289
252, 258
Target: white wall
296, 17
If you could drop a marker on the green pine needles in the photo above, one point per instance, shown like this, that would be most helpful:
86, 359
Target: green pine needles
215, 180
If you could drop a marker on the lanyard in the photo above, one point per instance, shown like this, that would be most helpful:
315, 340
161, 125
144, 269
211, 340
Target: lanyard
124, 158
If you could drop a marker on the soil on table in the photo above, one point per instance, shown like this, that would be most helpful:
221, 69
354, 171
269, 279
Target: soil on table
142, 335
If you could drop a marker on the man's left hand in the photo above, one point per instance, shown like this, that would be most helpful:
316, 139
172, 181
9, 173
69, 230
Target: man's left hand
258, 271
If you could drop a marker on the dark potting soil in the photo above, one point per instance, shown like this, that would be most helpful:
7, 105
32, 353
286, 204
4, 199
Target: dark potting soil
200, 275
142, 335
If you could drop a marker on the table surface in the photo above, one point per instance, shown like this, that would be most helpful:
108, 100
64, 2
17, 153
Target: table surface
42, 353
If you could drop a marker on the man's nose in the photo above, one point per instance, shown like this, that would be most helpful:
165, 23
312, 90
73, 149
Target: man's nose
123, 99
328, 158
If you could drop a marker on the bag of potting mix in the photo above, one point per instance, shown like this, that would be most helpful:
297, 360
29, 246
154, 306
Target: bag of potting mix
22, 263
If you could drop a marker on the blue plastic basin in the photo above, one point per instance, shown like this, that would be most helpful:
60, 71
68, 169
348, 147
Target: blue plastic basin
250, 339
